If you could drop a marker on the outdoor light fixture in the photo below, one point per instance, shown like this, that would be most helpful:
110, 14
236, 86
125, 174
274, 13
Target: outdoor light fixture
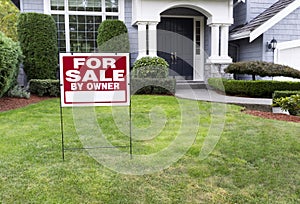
272, 45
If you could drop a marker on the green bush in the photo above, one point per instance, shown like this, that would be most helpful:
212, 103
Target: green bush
10, 59
46, 87
113, 37
261, 88
291, 104
262, 69
37, 34
18, 92
150, 67
160, 86
280, 94
8, 19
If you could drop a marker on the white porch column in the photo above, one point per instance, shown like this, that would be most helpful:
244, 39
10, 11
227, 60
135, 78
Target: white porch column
224, 40
152, 35
224, 43
142, 39
215, 39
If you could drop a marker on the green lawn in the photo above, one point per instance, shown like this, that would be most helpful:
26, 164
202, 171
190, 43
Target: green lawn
255, 161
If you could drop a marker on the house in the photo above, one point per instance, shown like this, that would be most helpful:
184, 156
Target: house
194, 36
257, 23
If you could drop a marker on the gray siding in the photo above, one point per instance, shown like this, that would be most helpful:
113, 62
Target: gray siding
250, 51
256, 7
32, 6
207, 40
132, 31
240, 14
286, 30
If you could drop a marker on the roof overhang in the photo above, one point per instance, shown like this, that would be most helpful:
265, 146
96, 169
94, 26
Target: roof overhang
237, 36
268, 24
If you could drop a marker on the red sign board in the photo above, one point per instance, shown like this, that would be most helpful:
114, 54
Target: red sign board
92, 79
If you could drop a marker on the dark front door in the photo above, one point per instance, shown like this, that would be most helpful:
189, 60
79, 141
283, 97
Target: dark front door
175, 44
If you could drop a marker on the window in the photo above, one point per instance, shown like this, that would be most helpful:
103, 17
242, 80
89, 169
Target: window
198, 37
78, 21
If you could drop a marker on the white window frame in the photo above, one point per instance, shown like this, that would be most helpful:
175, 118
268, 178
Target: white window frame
67, 13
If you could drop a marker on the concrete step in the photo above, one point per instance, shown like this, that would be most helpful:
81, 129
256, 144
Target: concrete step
189, 84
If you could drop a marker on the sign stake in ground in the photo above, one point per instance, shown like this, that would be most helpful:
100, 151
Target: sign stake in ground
94, 79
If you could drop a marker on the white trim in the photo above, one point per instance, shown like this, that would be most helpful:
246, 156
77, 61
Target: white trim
275, 19
238, 36
21, 5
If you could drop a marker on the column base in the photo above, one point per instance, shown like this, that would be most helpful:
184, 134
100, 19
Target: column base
219, 60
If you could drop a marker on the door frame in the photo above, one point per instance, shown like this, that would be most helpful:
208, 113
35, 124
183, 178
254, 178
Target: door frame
198, 68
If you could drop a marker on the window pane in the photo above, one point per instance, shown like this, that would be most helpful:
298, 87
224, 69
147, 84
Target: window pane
85, 5
61, 34
111, 5
83, 33
112, 17
57, 5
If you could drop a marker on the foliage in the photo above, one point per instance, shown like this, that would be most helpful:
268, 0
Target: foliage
8, 19
45, 87
113, 37
280, 94
262, 69
150, 67
18, 92
259, 88
10, 59
153, 86
291, 104
249, 164
38, 38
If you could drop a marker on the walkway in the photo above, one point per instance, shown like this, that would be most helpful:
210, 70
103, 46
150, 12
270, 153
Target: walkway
212, 96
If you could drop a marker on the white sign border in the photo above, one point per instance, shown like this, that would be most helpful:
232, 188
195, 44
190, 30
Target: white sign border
62, 90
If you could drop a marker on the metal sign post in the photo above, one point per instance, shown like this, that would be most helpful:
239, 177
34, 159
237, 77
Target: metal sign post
94, 79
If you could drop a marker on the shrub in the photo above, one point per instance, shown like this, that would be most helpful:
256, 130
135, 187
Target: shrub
153, 86
262, 69
113, 37
10, 59
46, 87
280, 94
291, 104
263, 89
18, 92
38, 38
150, 67
8, 19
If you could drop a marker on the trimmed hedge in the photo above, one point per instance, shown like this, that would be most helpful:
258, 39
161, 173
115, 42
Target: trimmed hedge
44, 87
10, 59
113, 37
37, 34
261, 89
150, 67
262, 69
161, 86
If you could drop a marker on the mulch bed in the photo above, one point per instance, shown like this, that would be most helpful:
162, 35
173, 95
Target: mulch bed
277, 116
7, 103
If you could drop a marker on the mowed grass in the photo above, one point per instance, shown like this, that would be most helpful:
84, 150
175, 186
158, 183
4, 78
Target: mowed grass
255, 161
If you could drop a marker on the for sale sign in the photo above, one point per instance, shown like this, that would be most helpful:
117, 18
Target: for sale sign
89, 79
